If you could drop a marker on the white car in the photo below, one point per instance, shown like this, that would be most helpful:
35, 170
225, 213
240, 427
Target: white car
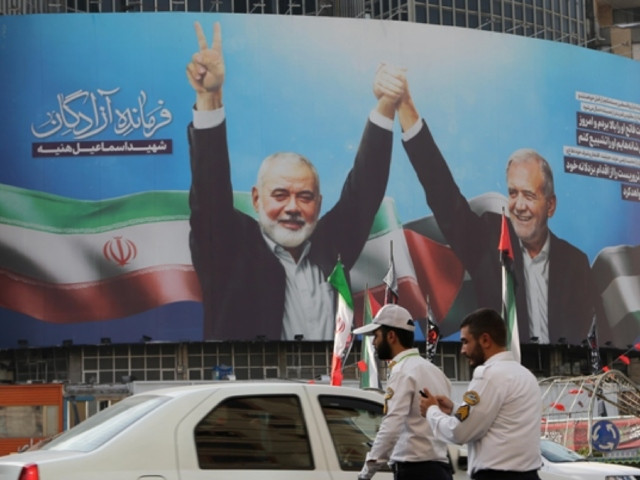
226, 431
561, 463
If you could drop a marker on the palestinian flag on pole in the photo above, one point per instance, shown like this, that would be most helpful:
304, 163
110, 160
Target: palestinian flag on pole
368, 364
64, 260
508, 290
343, 337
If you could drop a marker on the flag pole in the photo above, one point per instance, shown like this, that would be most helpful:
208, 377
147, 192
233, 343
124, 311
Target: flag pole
433, 333
508, 289
390, 280
592, 339
367, 365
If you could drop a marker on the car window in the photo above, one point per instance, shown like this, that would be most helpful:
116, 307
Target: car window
104, 425
353, 424
257, 432
554, 452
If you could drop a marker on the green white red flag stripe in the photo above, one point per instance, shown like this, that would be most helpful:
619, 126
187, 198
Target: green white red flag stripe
67, 260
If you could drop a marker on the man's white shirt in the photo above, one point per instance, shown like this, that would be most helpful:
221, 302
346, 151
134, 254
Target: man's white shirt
499, 418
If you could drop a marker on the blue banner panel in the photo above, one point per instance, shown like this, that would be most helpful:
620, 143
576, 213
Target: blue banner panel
136, 201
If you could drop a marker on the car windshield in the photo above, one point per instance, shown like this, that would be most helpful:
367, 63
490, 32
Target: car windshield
103, 426
554, 452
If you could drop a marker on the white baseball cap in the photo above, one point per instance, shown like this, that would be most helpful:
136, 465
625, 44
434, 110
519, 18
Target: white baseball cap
390, 315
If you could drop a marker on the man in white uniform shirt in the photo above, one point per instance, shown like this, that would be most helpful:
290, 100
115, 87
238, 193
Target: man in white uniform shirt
404, 439
500, 415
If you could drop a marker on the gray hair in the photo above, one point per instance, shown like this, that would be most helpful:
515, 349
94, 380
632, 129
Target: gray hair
286, 157
527, 155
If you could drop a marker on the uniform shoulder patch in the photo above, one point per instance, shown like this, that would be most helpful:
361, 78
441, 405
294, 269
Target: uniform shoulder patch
387, 396
463, 412
389, 393
471, 398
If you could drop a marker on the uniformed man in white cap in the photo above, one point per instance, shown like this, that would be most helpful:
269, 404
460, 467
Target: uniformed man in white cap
404, 439
500, 415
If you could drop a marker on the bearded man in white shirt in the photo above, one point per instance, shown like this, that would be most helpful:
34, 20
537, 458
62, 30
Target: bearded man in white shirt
500, 415
405, 441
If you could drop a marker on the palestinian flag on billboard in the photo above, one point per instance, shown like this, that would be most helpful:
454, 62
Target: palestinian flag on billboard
616, 273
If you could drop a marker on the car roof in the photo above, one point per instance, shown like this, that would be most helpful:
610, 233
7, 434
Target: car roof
265, 386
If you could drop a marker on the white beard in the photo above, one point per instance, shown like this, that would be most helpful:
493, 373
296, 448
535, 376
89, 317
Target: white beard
283, 236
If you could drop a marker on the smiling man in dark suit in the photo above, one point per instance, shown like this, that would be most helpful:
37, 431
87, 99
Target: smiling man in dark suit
555, 296
268, 278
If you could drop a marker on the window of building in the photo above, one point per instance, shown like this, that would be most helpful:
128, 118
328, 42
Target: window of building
446, 358
309, 359
245, 361
111, 364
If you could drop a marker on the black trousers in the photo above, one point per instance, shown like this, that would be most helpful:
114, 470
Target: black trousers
505, 475
430, 470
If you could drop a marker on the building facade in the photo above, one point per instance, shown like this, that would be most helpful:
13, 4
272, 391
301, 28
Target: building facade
611, 26
608, 25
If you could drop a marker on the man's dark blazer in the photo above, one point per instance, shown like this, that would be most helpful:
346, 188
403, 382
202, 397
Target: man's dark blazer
242, 281
475, 239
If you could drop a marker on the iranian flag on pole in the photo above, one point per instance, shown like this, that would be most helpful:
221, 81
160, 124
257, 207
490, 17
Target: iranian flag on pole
508, 290
368, 365
343, 337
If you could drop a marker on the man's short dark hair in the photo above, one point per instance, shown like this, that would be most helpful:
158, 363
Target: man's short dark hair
405, 337
486, 320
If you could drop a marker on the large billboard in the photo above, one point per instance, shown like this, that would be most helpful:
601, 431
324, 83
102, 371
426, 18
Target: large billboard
118, 219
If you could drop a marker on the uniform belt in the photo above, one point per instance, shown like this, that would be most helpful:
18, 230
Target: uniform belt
429, 469
425, 464
504, 475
